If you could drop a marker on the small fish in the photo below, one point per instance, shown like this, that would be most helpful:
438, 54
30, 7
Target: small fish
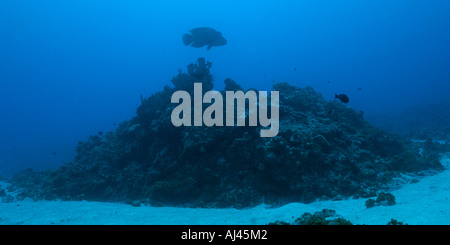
295, 68
100, 133
204, 36
342, 97
359, 89
54, 153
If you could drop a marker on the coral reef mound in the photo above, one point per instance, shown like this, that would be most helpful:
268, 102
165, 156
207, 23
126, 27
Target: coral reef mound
323, 150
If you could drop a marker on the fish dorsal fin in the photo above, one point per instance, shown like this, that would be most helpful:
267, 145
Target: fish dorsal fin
200, 30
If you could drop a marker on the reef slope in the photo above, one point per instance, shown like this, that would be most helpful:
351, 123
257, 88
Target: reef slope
324, 150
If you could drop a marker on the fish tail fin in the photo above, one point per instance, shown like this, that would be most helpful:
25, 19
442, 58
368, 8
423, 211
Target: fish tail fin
187, 39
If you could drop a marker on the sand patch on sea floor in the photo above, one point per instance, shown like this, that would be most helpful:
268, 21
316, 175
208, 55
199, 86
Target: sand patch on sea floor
426, 202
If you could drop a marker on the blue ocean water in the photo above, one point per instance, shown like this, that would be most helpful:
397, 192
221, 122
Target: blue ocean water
69, 69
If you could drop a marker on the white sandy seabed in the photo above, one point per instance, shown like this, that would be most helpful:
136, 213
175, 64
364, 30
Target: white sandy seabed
426, 202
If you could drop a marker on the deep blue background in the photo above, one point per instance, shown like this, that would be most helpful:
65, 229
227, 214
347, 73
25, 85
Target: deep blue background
69, 69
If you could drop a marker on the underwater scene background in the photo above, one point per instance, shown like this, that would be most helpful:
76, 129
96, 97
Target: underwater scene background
86, 89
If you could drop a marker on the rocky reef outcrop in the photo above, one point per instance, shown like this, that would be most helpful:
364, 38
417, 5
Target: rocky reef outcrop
323, 150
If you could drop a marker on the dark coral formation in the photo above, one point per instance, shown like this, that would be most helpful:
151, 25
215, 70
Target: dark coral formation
395, 222
324, 217
383, 199
324, 149
197, 73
